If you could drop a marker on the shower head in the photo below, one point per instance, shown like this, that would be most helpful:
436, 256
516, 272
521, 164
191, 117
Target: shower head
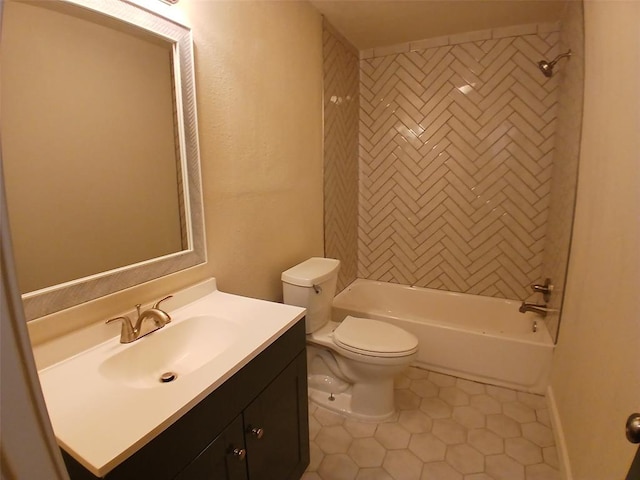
547, 67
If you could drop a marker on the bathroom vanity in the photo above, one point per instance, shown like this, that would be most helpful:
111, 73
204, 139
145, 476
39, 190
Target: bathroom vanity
237, 413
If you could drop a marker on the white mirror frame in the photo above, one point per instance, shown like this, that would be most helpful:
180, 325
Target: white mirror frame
58, 297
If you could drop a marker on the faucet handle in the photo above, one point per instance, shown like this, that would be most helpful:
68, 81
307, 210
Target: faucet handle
545, 289
127, 333
157, 304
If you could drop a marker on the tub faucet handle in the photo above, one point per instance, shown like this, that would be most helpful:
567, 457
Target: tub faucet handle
545, 289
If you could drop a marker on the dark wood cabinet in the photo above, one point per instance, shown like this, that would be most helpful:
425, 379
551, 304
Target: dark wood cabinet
223, 459
276, 435
254, 426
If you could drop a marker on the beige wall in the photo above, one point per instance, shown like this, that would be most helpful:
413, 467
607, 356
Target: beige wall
259, 92
259, 84
595, 378
88, 145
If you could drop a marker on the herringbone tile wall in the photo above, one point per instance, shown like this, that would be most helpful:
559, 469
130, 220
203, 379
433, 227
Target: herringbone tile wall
565, 163
341, 85
456, 148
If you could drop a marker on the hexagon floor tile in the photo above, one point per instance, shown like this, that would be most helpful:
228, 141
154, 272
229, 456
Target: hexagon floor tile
445, 428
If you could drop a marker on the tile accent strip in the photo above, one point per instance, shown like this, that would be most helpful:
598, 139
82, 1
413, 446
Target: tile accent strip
456, 148
495, 33
341, 109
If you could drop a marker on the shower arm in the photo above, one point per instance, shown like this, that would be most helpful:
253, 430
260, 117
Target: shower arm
562, 55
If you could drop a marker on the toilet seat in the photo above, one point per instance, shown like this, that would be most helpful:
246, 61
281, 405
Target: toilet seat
374, 338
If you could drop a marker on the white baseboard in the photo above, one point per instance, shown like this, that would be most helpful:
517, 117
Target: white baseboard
558, 433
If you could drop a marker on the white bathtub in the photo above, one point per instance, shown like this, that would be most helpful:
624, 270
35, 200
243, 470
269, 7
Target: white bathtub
479, 338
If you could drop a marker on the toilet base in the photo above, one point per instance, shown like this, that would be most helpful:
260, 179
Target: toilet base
342, 403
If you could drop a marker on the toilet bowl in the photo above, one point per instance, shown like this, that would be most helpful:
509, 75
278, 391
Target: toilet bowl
351, 364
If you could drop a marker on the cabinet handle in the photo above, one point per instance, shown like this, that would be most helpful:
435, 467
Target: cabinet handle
257, 432
239, 453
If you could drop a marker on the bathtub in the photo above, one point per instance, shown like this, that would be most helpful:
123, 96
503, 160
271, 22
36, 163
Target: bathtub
482, 339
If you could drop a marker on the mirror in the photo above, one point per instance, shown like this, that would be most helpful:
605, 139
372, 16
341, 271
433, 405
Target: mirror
99, 149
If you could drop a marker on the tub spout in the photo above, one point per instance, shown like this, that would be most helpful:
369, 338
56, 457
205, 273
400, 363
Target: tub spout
535, 308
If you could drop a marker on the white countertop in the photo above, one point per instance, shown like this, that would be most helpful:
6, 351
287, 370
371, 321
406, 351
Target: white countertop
101, 422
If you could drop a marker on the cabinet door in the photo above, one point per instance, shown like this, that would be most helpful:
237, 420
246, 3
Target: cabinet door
277, 428
223, 459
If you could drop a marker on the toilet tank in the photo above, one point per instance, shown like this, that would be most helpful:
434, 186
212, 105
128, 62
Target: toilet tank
312, 285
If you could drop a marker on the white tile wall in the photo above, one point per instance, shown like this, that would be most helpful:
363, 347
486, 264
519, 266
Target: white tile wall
341, 94
515, 117
456, 149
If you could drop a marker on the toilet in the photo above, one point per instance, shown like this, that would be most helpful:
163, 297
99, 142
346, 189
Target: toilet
351, 364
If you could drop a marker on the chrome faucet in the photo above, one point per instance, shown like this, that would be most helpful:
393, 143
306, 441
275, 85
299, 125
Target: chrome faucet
130, 332
534, 307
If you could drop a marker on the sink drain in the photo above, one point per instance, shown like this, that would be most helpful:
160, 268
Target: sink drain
167, 377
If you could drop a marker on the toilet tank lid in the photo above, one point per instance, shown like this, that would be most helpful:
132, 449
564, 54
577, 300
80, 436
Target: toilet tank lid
311, 272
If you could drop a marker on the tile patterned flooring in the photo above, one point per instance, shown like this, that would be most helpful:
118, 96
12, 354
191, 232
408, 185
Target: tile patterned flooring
446, 428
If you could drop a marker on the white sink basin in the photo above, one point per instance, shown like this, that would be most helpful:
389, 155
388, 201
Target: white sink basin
179, 349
